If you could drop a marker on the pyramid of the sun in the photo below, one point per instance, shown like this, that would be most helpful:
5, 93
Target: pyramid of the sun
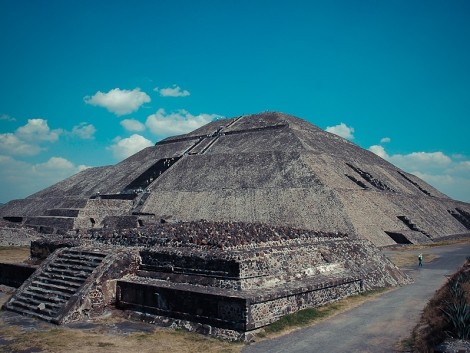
270, 168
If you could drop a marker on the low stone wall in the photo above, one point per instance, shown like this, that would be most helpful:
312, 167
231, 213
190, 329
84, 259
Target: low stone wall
42, 248
263, 313
235, 311
16, 235
13, 275
228, 312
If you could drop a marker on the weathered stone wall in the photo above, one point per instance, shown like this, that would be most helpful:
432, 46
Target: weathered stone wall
242, 256
16, 235
239, 311
98, 209
263, 313
41, 249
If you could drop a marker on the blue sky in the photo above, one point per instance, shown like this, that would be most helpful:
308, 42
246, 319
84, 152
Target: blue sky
87, 83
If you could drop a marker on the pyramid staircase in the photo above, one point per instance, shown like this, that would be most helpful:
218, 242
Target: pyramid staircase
51, 292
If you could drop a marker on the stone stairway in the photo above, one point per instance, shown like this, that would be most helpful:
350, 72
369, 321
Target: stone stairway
52, 289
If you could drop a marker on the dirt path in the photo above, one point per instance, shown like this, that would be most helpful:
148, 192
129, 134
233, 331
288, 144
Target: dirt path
380, 324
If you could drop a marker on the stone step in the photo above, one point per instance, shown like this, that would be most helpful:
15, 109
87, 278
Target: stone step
81, 258
35, 302
67, 281
76, 263
38, 294
82, 275
83, 253
25, 309
66, 292
54, 288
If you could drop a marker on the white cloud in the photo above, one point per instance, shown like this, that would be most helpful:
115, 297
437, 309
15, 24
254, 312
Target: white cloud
379, 151
132, 125
10, 144
385, 140
20, 179
84, 131
38, 130
27, 139
342, 130
119, 102
450, 176
174, 91
180, 122
422, 161
7, 117
125, 147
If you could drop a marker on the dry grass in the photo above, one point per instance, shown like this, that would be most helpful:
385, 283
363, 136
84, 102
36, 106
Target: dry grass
403, 259
64, 340
14, 254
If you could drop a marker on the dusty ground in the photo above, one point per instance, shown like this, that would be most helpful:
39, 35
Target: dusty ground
21, 335
404, 256
14, 254
24, 335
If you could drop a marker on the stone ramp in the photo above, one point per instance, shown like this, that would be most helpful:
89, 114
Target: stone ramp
72, 284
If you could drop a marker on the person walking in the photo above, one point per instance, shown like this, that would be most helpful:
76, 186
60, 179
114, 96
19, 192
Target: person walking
420, 260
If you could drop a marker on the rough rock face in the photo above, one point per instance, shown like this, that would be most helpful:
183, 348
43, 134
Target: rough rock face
267, 168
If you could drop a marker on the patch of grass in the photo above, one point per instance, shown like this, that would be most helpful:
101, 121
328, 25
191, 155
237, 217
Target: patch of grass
405, 345
300, 318
105, 344
402, 259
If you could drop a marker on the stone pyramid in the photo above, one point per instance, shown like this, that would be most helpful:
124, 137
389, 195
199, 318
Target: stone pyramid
269, 168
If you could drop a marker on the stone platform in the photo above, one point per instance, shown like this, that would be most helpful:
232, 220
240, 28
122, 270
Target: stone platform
227, 279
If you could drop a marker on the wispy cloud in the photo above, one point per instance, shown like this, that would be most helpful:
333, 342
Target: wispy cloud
173, 91
385, 140
165, 124
84, 131
7, 117
449, 175
20, 179
342, 130
28, 139
126, 147
132, 125
118, 101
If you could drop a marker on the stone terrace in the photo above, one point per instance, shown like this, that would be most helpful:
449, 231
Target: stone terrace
223, 235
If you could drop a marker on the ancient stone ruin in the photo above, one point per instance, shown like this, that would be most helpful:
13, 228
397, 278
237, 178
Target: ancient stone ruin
223, 230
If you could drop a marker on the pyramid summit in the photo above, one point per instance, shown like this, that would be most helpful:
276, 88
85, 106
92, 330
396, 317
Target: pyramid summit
269, 168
